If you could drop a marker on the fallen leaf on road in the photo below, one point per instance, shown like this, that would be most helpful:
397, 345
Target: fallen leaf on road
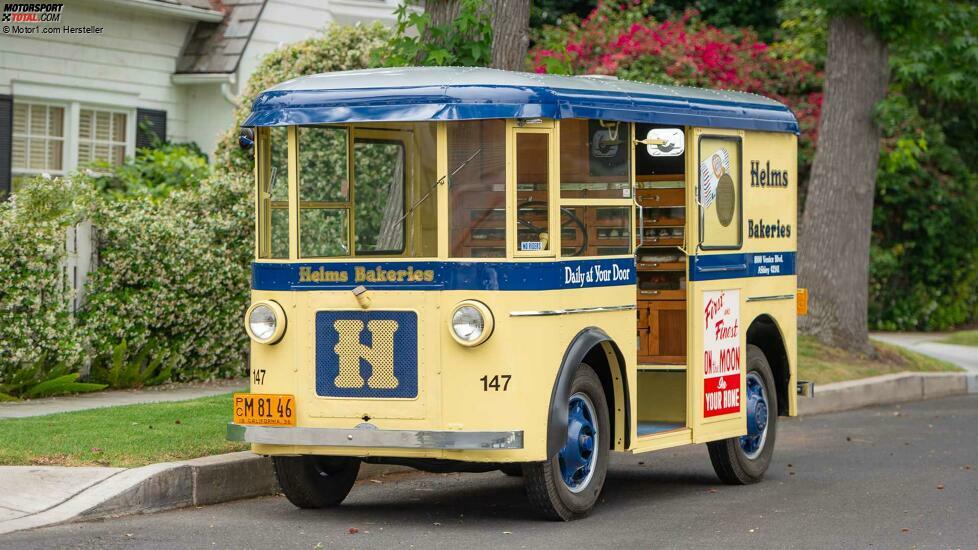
353, 530
848, 438
940, 487
967, 466
904, 530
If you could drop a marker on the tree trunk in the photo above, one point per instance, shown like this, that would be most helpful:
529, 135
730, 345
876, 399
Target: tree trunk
442, 12
835, 231
510, 34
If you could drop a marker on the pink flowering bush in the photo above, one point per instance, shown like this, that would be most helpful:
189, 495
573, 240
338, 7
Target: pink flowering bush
619, 38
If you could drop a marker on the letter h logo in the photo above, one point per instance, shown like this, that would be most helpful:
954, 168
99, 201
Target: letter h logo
367, 354
380, 356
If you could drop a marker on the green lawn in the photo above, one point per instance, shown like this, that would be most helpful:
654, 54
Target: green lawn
823, 364
963, 338
130, 435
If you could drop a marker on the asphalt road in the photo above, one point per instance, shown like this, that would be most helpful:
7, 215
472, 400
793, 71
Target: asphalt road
890, 477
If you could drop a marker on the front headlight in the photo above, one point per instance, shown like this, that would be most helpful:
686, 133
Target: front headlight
265, 322
471, 323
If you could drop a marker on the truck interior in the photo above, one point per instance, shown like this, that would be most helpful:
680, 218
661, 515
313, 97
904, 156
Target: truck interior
660, 258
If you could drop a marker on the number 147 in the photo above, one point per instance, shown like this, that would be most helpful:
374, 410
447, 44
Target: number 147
496, 383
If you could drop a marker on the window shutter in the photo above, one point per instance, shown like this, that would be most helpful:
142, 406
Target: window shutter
6, 142
150, 124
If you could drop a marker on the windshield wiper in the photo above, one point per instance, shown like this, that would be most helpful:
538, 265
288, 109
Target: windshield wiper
438, 182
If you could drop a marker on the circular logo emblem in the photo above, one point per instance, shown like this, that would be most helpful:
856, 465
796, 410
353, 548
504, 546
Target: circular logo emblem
726, 201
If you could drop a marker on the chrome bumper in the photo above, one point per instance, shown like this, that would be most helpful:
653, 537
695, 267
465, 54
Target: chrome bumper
367, 435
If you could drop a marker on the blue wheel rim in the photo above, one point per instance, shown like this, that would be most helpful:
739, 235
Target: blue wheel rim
580, 452
752, 444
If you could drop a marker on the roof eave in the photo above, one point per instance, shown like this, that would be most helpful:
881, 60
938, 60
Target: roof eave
173, 10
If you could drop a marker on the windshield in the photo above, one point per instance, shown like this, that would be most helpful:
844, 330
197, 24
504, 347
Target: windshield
362, 191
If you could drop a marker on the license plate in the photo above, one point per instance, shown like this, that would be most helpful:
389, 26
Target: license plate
264, 409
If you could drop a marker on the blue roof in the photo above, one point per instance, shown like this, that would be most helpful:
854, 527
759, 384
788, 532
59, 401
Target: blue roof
460, 93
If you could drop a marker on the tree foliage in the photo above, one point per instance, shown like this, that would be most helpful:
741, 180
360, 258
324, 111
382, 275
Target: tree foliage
465, 41
627, 41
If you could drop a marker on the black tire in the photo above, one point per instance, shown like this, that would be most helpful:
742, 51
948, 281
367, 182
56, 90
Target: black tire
545, 486
512, 470
730, 461
316, 481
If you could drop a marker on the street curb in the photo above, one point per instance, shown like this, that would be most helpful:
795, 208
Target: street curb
234, 476
169, 485
885, 390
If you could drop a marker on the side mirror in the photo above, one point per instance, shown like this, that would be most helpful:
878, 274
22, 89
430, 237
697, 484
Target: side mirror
665, 142
246, 139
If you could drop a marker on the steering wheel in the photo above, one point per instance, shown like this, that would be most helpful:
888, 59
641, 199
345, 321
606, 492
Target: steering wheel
568, 217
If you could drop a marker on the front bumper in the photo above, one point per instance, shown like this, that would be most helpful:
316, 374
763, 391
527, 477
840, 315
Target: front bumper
368, 435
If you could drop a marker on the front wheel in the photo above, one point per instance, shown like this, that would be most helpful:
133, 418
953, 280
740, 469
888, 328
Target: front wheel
568, 485
316, 481
742, 460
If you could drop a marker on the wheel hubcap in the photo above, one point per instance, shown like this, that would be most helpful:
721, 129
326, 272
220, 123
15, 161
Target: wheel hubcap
757, 417
579, 453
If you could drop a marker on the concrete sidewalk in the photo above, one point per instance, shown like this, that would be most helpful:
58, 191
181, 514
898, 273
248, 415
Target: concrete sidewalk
927, 343
35, 496
96, 400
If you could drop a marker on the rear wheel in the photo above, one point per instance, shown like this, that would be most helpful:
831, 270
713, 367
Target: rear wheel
568, 485
316, 481
742, 460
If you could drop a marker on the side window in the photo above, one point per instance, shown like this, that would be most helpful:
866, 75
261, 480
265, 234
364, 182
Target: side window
273, 180
477, 188
720, 193
595, 164
324, 192
378, 172
532, 216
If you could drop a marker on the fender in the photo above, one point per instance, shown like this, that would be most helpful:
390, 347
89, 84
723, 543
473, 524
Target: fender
579, 347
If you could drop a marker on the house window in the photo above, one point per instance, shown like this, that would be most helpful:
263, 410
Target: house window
38, 139
102, 136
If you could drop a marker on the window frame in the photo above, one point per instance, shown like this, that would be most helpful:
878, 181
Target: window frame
549, 129
623, 202
353, 133
739, 139
128, 144
70, 143
358, 135
65, 114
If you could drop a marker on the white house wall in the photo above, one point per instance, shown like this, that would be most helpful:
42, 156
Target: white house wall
287, 21
209, 114
133, 58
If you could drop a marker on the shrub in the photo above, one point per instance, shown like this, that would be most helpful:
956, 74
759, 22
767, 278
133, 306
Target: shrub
35, 299
924, 258
176, 272
154, 172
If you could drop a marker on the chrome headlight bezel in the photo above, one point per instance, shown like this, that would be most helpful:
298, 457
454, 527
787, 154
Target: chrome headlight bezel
469, 307
278, 315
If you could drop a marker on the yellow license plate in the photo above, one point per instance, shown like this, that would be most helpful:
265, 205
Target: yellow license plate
264, 409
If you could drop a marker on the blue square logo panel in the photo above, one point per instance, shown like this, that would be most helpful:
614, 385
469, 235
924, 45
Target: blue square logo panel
367, 354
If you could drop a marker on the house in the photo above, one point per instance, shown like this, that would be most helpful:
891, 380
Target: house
95, 79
